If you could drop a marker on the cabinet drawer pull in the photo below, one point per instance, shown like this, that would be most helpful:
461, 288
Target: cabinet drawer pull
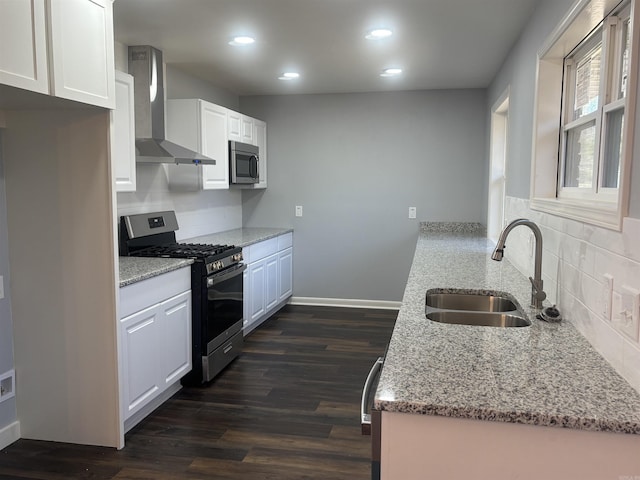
227, 348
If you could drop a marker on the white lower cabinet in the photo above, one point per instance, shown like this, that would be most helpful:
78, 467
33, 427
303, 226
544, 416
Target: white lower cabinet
268, 278
271, 286
285, 277
256, 286
175, 337
155, 341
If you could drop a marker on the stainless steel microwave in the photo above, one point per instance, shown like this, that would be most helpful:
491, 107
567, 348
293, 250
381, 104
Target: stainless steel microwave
243, 163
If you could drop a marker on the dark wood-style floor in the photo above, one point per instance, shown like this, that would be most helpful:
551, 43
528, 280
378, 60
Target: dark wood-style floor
287, 408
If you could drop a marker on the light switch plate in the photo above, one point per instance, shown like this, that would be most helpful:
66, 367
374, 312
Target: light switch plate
298, 210
626, 312
412, 212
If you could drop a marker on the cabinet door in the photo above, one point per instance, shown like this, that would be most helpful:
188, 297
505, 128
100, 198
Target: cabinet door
257, 279
81, 51
175, 346
123, 148
285, 274
234, 126
23, 45
271, 290
140, 334
247, 130
214, 145
260, 139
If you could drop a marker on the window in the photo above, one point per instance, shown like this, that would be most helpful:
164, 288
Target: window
581, 138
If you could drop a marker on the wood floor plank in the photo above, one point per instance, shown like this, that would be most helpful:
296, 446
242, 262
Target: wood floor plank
286, 409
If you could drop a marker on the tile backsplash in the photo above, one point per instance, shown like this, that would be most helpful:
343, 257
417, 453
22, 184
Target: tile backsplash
198, 213
577, 259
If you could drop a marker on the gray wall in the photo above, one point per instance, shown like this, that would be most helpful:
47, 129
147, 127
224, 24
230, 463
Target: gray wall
8, 413
181, 85
356, 162
519, 74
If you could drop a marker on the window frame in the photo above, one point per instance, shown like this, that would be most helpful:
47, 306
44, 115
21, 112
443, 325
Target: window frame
608, 206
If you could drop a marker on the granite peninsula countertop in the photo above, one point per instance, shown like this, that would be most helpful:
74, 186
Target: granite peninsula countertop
136, 269
546, 374
240, 237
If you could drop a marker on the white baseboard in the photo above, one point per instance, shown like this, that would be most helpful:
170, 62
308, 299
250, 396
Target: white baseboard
345, 302
9, 434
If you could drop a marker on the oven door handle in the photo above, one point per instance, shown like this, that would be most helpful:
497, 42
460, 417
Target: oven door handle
222, 276
365, 418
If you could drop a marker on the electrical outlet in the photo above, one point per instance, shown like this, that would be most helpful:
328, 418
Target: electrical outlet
607, 292
298, 210
626, 312
7, 387
1, 286
412, 212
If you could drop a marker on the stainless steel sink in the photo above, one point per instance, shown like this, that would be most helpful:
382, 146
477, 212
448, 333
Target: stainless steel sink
465, 301
485, 319
476, 308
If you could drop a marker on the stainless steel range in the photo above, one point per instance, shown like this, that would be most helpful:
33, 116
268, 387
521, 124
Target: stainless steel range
216, 288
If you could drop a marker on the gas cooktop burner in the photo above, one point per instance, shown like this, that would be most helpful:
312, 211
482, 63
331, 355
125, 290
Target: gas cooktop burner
184, 250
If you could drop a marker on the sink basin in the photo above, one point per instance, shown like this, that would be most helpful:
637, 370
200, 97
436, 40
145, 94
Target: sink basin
465, 301
485, 319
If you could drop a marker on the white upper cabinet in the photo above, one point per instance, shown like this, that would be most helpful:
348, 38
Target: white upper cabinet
214, 145
247, 130
23, 45
77, 36
234, 126
240, 128
260, 138
200, 126
123, 133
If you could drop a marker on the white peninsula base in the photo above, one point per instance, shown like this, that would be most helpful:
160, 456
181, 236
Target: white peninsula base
432, 447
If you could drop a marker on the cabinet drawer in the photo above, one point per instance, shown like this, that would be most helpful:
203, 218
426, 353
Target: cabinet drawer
260, 250
285, 241
140, 295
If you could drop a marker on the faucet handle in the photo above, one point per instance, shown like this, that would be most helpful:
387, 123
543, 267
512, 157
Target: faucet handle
539, 292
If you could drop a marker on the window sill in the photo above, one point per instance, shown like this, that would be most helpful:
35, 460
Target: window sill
605, 215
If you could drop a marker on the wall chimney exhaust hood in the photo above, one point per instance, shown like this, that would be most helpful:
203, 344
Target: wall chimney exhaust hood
145, 64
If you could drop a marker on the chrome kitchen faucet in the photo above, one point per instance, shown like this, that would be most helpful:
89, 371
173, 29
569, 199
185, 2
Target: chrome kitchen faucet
537, 293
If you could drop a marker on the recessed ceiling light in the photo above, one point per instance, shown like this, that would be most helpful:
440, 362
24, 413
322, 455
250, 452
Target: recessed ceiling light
378, 33
289, 76
391, 72
242, 41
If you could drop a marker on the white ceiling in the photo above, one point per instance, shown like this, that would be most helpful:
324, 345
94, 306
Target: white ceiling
438, 43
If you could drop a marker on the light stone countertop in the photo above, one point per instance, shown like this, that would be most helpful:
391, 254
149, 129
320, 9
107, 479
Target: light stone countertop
240, 237
136, 269
545, 374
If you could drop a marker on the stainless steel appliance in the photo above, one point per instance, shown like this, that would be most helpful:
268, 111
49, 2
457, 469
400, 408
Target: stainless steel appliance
216, 288
370, 418
243, 162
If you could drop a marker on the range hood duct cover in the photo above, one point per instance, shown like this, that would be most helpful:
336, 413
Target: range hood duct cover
145, 64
